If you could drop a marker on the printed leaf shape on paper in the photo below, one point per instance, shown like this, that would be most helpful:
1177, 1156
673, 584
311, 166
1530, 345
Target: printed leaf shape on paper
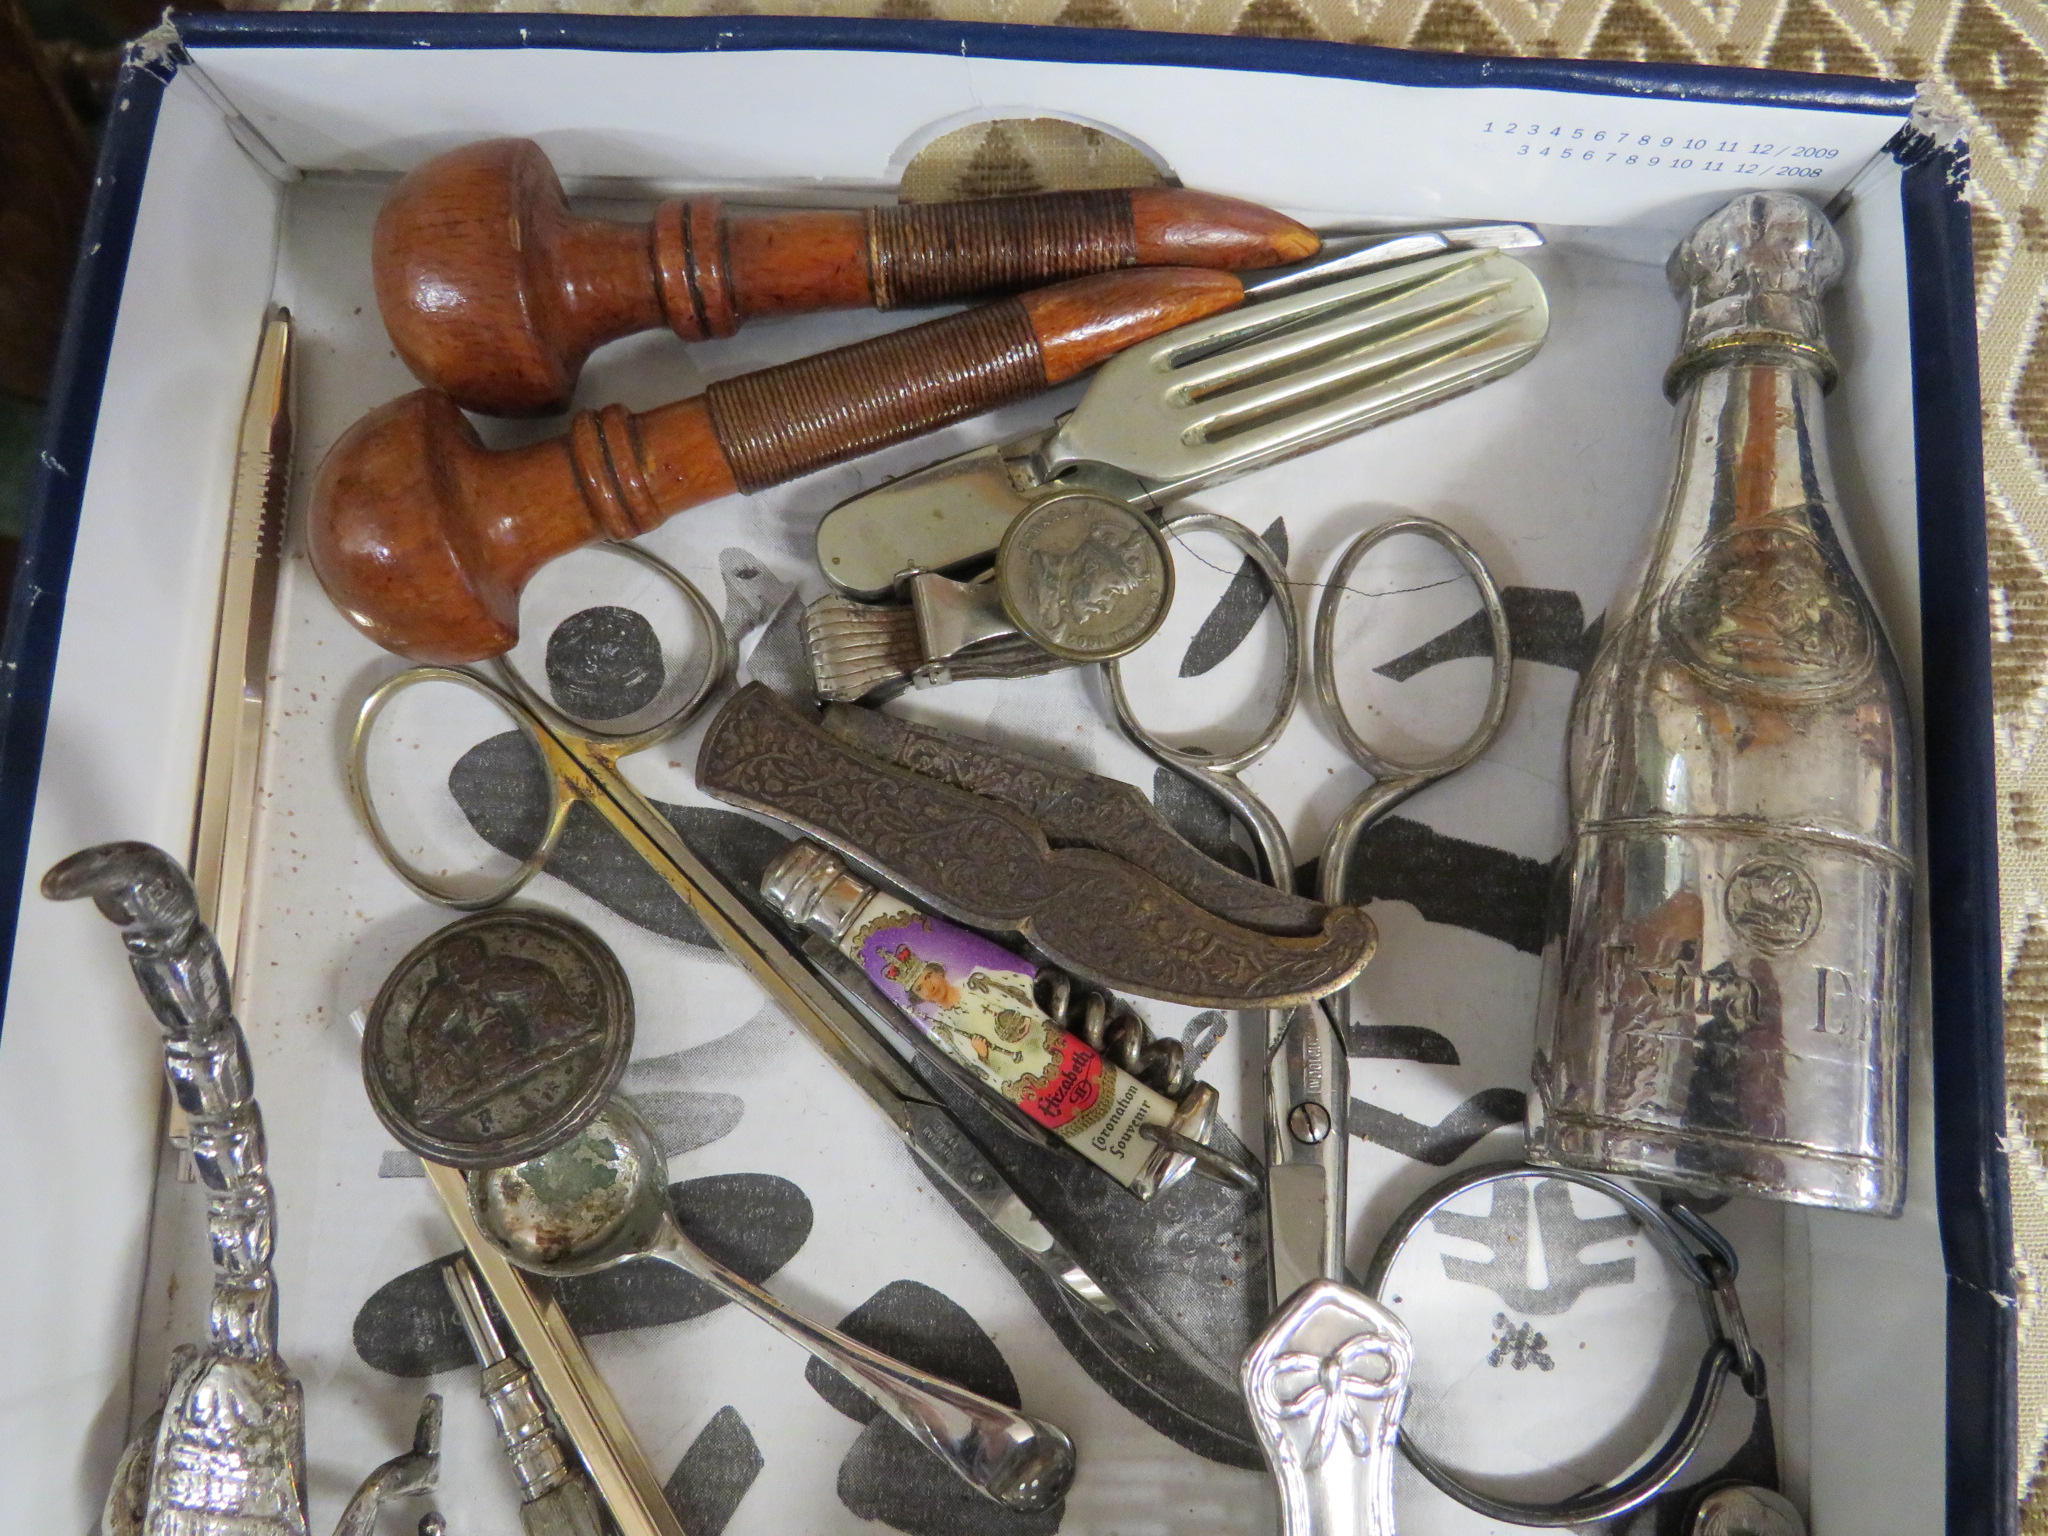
714, 1474
921, 1327
1510, 1232
1452, 880
886, 1475
1236, 611
1544, 624
1442, 1144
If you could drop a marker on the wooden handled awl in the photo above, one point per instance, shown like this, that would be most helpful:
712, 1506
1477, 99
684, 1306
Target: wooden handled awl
424, 538
493, 291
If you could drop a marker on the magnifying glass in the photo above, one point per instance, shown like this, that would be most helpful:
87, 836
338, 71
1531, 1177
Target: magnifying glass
1572, 1339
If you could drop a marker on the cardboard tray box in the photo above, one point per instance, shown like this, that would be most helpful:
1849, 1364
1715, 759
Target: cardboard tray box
244, 160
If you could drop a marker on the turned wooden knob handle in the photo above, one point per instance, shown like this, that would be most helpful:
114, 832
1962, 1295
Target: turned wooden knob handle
494, 292
425, 538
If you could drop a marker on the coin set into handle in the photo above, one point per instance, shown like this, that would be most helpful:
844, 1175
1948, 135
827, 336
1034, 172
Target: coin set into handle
957, 924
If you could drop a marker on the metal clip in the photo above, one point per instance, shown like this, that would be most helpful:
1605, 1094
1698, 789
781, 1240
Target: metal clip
949, 631
1078, 577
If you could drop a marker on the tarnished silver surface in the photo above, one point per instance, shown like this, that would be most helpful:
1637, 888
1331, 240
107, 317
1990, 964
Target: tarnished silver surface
1085, 577
1331, 352
1742, 1509
1075, 809
1308, 1089
497, 1038
948, 632
585, 769
603, 1199
1327, 1382
1349, 249
1724, 1000
226, 1455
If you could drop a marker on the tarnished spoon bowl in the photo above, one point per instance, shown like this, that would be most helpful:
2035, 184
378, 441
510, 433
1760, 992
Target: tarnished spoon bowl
603, 1198
591, 1203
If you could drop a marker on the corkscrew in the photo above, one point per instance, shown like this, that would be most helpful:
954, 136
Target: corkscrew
1113, 1027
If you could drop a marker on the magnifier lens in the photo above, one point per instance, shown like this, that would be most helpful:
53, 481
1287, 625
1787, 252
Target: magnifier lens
1217, 667
458, 789
1412, 650
611, 642
1555, 1344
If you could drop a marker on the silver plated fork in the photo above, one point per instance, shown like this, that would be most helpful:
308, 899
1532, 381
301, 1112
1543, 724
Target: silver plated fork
1318, 353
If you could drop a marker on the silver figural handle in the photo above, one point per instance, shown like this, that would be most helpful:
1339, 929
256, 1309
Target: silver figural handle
1326, 1383
226, 1455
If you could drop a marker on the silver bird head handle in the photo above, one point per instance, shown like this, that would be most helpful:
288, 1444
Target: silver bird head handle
1326, 1384
146, 894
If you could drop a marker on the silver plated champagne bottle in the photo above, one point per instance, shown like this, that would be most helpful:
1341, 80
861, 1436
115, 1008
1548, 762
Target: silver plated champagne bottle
1726, 977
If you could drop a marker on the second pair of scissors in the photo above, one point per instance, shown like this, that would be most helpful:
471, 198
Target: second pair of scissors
1307, 1074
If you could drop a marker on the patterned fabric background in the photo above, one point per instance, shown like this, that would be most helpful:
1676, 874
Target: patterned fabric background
1987, 64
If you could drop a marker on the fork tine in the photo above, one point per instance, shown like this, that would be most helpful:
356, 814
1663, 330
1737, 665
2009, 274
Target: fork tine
1383, 400
1412, 312
1368, 363
1228, 395
1240, 327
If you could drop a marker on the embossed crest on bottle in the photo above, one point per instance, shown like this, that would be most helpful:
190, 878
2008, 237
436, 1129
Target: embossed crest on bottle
1725, 980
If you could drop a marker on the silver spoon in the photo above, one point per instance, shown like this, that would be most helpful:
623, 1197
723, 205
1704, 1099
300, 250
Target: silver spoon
602, 1199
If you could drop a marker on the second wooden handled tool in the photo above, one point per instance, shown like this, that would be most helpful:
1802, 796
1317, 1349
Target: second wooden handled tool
424, 538
493, 291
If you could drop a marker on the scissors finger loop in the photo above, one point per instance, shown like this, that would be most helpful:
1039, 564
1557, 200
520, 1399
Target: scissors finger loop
1256, 550
1322, 652
447, 894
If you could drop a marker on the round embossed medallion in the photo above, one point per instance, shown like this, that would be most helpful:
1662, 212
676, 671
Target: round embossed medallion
1087, 578
1761, 609
1772, 902
498, 1039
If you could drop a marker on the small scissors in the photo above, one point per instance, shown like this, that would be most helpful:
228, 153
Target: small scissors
583, 765
1307, 1076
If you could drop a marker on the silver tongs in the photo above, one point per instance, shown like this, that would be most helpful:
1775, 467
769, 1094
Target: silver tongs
1371, 330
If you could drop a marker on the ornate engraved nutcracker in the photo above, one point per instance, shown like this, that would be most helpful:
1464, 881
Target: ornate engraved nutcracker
1727, 976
